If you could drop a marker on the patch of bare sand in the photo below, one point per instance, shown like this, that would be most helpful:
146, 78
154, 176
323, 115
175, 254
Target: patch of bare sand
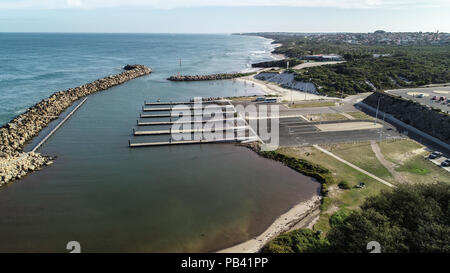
303, 214
441, 92
403, 157
348, 126
286, 94
418, 93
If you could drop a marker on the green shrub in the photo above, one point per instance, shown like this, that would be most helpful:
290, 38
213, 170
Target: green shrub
321, 174
338, 217
411, 218
297, 241
344, 185
326, 201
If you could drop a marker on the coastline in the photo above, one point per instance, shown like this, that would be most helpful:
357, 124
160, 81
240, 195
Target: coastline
303, 215
276, 56
284, 93
14, 135
270, 88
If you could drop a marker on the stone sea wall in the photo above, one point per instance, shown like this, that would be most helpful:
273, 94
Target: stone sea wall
211, 77
14, 163
423, 118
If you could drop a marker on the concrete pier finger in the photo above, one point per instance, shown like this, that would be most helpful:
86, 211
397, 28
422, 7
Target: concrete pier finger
180, 102
154, 123
176, 115
184, 142
155, 109
187, 131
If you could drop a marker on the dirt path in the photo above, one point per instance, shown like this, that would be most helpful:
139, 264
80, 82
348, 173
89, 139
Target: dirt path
388, 165
353, 166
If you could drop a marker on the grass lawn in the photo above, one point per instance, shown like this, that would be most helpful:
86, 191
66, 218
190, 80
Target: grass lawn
409, 156
327, 117
361, 155
337, 198
312, 104
360, 115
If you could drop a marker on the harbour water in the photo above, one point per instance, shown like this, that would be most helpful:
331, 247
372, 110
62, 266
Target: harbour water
114, 199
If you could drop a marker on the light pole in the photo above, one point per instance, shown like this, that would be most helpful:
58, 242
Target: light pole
376, 114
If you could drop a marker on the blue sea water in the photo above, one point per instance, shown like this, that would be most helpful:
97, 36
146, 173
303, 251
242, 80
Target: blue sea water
34, 65
112, 198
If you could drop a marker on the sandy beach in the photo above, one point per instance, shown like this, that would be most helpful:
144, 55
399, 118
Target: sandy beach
285, 94
302, 215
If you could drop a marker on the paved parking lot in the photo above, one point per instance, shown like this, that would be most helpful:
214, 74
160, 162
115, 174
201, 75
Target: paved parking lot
296, 131
426, 95
438, 162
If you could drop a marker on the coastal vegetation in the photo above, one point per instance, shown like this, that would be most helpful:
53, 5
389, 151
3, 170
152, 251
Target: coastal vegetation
362, 74
321, 174
367, 67
346, 201
410, 218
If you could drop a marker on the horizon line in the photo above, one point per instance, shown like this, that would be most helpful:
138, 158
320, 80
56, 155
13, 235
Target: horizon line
212, 33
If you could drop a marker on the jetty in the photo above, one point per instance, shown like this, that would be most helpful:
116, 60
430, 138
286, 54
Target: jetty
162, 109
187, 131
176, 115
187, 142
157, 123
181, 102
229, 122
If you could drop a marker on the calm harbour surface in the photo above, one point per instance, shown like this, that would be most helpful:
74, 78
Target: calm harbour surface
111, 198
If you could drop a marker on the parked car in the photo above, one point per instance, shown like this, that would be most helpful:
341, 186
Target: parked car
420, 96
445, 163
435, 155
434, 98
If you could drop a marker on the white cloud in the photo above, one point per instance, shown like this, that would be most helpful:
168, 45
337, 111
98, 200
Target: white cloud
170, 4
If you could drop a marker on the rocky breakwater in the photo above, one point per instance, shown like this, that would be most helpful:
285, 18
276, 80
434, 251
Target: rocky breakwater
14, 162
210, 77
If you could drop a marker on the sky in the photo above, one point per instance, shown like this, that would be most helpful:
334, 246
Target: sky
223, 16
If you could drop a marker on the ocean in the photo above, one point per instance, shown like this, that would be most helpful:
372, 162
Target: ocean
114, 199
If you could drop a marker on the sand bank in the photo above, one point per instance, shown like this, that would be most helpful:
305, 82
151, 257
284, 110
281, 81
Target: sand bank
285, 94
303, 215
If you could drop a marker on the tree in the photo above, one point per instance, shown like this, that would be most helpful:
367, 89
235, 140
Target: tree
412, 218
